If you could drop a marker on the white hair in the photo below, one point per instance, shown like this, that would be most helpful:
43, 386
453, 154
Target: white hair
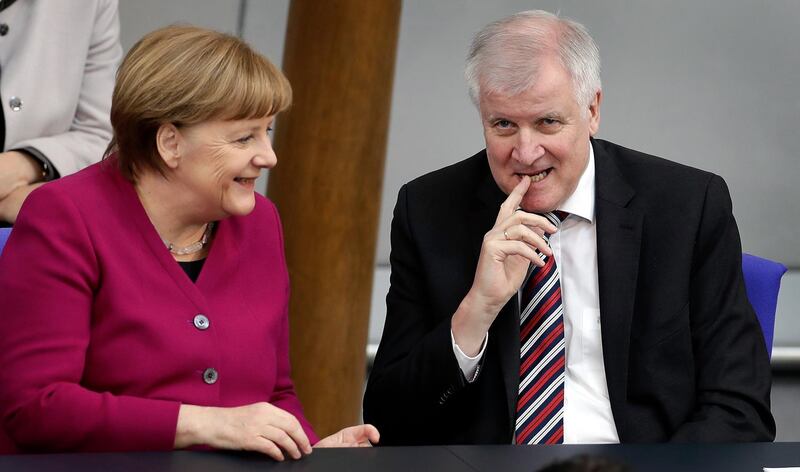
505, 55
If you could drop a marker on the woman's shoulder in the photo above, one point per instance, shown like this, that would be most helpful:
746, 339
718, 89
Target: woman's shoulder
261, 224
265, 212
264, 204
100, 179
86, 189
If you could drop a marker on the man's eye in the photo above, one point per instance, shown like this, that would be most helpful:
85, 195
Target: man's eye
550, 121
503, 124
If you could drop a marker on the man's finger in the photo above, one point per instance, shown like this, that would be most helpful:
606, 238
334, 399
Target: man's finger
519, 248
531, 220
514, 198
525, 234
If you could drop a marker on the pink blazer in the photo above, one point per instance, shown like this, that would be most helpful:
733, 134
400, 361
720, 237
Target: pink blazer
101, 340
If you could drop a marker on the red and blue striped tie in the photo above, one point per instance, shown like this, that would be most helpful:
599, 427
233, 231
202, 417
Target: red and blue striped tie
540, 403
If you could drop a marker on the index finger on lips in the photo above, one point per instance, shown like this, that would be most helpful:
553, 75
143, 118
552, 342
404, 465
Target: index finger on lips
511, 203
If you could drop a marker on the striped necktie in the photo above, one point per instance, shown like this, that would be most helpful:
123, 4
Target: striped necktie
540, 403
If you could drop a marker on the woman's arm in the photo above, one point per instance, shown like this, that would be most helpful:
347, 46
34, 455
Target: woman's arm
49, 275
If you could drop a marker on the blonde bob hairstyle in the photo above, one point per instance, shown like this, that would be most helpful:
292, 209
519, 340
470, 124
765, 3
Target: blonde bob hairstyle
187, 75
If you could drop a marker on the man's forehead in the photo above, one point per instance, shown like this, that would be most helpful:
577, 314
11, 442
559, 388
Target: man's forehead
532, 102
494, 105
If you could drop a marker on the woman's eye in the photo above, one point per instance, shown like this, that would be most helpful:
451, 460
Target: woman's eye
245, 139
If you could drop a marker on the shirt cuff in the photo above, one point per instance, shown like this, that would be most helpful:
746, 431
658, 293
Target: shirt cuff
469, 365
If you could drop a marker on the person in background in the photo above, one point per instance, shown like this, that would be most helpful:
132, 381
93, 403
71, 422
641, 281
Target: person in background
558, 288
145, 298
57, 66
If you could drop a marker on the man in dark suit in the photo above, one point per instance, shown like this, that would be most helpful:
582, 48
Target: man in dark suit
611, 308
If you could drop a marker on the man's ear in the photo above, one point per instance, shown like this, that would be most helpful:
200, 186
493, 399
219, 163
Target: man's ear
594, 113
168, 144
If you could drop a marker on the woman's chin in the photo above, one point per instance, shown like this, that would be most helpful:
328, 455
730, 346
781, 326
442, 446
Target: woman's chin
240, 207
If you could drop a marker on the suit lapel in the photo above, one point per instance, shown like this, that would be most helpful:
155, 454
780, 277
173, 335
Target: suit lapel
505, 329
619, 232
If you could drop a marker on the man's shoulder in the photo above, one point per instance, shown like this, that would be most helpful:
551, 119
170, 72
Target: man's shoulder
648, 173
459, 178
445, 197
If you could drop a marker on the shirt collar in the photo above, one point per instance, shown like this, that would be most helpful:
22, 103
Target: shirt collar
581, 202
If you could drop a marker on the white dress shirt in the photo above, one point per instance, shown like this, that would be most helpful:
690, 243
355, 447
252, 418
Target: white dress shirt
587, 410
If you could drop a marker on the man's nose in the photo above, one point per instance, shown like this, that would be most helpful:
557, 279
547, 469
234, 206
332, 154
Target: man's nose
528, 148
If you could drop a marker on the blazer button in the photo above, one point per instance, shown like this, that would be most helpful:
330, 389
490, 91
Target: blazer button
15, 103
201, 322
210, 376
3, 29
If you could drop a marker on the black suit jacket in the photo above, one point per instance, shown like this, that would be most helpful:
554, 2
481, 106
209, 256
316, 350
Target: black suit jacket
684, 356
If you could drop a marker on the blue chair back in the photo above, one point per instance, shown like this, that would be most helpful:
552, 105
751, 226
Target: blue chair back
762, 280
4, 234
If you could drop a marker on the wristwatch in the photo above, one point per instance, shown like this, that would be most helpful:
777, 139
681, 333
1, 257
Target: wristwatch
48, 171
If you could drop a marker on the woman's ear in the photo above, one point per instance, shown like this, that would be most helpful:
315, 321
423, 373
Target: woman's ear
168, 144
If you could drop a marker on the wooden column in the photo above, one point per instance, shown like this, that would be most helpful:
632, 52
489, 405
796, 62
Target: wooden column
331, 145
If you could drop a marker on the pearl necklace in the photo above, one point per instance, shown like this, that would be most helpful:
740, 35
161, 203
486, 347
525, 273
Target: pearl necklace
193, 248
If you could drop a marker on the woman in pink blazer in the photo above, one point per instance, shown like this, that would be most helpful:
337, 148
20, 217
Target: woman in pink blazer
145, 298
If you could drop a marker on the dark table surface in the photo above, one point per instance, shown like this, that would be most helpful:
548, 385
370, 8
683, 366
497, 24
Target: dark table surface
650, 457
